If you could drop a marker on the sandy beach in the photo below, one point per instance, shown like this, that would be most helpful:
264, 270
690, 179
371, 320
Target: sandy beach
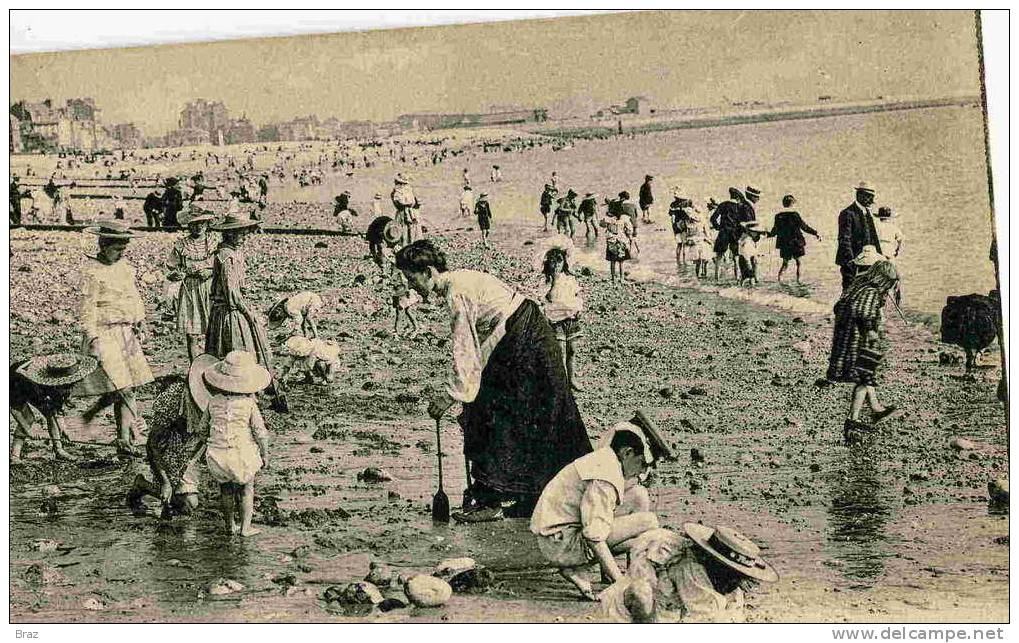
896, 532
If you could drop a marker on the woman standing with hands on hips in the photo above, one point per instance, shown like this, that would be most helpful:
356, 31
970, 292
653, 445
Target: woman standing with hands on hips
520, 421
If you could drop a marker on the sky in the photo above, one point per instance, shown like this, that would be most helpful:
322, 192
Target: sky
678, 58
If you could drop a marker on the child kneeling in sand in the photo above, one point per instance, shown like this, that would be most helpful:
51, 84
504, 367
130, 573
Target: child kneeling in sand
586, 514
235, 433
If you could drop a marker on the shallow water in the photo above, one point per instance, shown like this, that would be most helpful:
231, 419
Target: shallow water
927, 164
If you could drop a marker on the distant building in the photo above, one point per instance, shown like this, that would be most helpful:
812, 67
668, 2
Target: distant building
16, 146
125, 135
268, 134
209, 116
304, 128
640, 105
240, 131
73, 126
188, 136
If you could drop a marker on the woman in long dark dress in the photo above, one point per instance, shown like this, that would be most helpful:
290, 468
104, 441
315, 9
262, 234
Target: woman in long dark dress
233, 324
520, 421
855, 353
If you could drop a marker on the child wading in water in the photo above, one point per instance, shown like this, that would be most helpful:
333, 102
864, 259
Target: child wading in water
564, 299
618, 234
238, 443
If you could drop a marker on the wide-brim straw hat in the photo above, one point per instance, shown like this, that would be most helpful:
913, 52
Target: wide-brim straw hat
734, 193
401, 178
649, 457
732, 549
235, 221
868, 256
391, 234
660, 449
555, 242
111, 230
238, 372
59, 369
196, 215
200, 394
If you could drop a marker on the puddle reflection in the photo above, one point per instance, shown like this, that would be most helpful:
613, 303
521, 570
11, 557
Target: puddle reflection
861, 508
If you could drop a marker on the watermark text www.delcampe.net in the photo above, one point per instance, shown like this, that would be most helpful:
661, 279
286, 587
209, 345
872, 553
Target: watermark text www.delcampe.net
901, 633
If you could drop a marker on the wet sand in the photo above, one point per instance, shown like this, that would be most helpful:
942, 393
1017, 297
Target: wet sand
899, 531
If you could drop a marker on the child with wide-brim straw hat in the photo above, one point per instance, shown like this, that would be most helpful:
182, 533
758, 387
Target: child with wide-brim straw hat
43, 383
237, 440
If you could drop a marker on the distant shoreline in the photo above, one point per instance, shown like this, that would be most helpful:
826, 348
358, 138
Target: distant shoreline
756, 117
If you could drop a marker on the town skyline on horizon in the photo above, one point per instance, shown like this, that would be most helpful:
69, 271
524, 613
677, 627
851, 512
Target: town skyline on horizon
583, 63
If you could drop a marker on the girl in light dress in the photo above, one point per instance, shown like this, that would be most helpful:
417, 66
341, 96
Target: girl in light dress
699, 244
237, 443
564, 301
190, 265
113, 318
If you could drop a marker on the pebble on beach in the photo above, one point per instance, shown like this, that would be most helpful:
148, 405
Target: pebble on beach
428, 591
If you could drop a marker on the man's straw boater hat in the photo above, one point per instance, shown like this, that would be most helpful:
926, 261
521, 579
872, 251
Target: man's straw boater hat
863, 188
655, 447
754, 192
235, 221
111, 230
59, 369
732, 549
238, 372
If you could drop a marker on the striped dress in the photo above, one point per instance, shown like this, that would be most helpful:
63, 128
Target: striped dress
192, 259
856, 313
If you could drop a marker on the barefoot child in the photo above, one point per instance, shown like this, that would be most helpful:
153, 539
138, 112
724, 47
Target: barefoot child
618, 233
698, 244
43, 384
237, 440
564, 299
747, 258
576, 519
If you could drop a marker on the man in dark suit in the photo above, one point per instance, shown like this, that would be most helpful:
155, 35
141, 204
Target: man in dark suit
728, 218
856, 230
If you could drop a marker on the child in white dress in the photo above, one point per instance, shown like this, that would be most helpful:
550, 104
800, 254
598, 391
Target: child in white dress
236, 437
564, 301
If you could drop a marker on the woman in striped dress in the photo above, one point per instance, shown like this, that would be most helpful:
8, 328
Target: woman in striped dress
190, 263
855, 353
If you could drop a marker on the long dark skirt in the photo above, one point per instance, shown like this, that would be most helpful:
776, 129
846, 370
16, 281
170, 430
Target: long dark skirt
524, 426
236, 329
